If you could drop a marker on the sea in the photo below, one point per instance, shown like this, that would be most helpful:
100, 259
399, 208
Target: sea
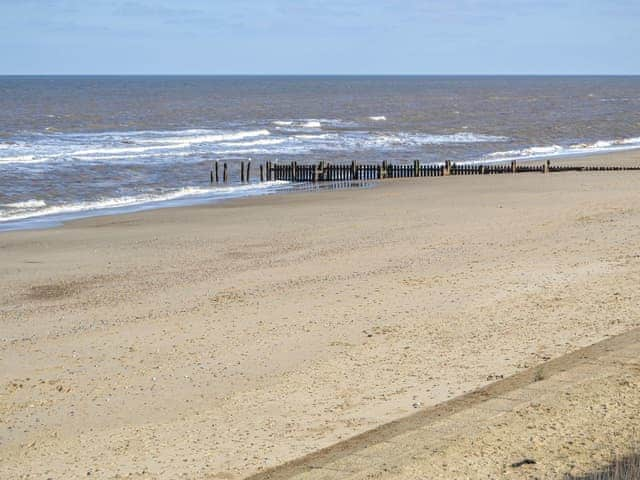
73, 146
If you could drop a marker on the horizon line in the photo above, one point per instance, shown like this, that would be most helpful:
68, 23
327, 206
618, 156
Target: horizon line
319, 74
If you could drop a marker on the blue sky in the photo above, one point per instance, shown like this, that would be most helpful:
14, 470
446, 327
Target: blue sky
320, 37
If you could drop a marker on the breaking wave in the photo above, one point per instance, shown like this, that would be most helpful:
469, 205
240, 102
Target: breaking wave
530, 153
26, 204
38, 208
298, 137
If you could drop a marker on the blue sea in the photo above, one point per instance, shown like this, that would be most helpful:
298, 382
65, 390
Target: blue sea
77, 146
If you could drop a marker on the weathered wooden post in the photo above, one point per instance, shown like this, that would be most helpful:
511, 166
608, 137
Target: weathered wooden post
294, 171
217, 176
225, 173
482, 169
547, 166
242, 172
249, 171
416, 168
262, 172
385, 168
447, 168
211, 175
514, 168
354, 171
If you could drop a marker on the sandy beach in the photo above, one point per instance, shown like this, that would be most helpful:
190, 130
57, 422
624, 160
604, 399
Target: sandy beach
215, 341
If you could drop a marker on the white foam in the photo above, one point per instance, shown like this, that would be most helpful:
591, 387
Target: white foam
292, 125
530, 153
527, 152
151, 154
26, 204
172, 143
125, 145
207, 137
142, 135
22, 159
463, 137
266, 141
605, 145
413, 139
139, 200
296, 137
127, 150
287, 150
312, 136
349, 141
379, 118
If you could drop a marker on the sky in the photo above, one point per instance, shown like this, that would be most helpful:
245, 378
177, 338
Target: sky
320, 37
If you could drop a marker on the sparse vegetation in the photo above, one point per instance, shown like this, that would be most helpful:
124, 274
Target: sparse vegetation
539, 375
622, 468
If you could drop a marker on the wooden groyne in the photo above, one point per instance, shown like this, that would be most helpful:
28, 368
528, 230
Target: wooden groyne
327, 172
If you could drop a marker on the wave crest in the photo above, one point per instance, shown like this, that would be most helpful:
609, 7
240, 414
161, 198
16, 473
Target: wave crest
26, 204
230, 191
530, 153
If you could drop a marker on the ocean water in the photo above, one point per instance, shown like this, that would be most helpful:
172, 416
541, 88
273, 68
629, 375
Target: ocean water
73, 146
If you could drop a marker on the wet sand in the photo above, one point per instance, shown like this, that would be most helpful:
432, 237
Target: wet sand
215, 341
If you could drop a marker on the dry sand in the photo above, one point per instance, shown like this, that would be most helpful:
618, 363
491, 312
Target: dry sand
214, 341
572, 414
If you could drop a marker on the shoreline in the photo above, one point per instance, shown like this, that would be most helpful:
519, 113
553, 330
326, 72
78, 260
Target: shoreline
623, 157
39, 222
219, 340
